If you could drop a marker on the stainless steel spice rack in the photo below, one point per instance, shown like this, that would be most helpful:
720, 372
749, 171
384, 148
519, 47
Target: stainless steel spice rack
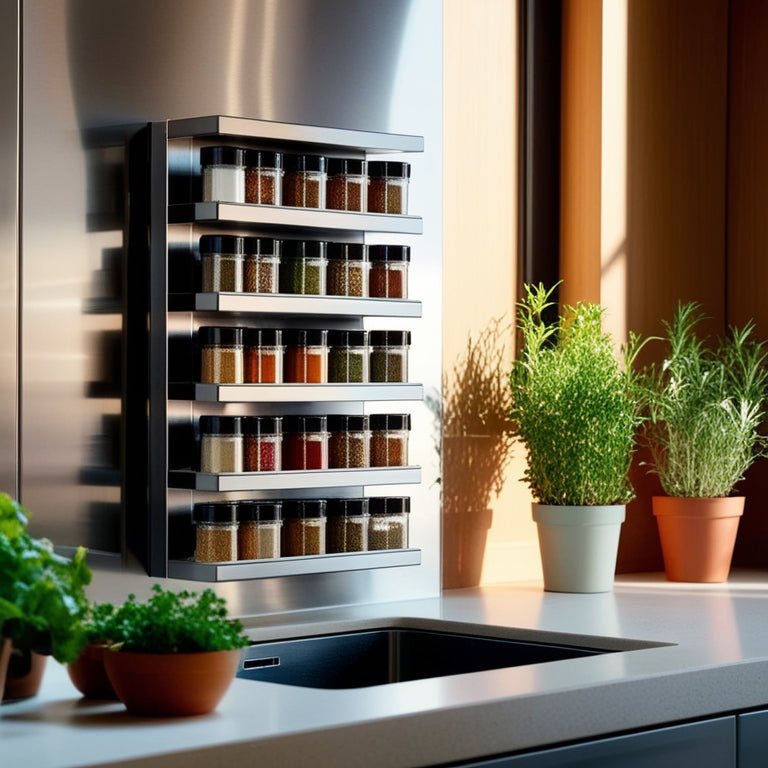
163, 163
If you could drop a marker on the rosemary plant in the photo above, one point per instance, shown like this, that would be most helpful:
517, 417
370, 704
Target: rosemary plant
573, 404
705, 406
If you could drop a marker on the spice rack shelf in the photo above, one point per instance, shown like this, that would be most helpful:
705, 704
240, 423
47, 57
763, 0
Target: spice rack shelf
295, 393
292, 566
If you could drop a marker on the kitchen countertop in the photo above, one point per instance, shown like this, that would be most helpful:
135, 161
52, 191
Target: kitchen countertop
716, 661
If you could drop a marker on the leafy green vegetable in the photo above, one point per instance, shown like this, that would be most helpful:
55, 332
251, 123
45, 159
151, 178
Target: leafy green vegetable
42, 594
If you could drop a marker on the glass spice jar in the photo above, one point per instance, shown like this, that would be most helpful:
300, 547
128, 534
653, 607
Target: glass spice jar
259, 529
389, 439
306, 356
262, 448
347, 187
349, 442
347, 272
305, 442
223, 174
261, 265
304, 181
221, 355
389, 355
388, 189
304, 527
348, 355
388, 522
388, 278
304, 267
264, 351
347, 525
215, 532
263, 177
221, 444
222, 263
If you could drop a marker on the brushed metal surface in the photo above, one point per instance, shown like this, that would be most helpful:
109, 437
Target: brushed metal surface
94, 71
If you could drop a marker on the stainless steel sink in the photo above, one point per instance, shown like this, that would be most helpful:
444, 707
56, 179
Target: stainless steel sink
392, 654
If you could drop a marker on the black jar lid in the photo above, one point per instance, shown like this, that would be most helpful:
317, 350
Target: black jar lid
221, 156
305, 249
299, 424
343, 166
229, 244
262, 425
263, 337
300, 163
347, 251
209, 334
345, 423
258, 158
389, 505
303, 508
221, 425
259, 511
215, 512
313, 337
389, 338
347, 338
389, 169
389, 252
387, 421
346, 507
261, 246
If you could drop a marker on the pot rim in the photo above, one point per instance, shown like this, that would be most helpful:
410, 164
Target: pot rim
575, 515
698, 507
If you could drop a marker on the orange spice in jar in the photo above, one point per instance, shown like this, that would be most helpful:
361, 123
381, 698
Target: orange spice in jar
306, 356
263, 356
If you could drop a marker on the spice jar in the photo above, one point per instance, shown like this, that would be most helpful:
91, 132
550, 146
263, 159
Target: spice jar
223, 174
306, 356
258, 533
263, 177
347, 270
222, 263
262, 449
388, 190
349, 442
389, 355
388, 277
263, 350
303, 267
304, 181
388, 522
221, 444
348, 355
389, 439
347, 187
221, 355
305, 442
347, 525
215, 532
304, 527
261, 265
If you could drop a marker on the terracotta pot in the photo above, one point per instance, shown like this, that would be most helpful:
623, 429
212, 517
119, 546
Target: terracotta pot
173, 684
697, 536
25, 673
578, 546
89, 675
5, 655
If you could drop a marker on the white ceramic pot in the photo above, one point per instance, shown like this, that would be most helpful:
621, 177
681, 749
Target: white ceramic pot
578, 546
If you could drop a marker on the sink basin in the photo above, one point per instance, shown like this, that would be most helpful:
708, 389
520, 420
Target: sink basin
392, 654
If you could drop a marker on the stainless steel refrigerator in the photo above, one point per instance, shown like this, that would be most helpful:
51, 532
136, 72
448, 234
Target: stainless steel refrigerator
79, 79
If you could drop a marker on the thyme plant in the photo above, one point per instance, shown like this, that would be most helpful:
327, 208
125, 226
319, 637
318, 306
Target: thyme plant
573, 404
705, 406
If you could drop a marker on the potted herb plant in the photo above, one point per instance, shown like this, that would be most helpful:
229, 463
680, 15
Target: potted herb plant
574, 408
42, 596
705, 407
173, 654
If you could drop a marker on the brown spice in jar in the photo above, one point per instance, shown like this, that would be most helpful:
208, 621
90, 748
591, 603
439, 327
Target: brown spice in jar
303, 190
388, 450
349, 450
215, 543
221, 365
385, 197
345, 194
304, 536
258, 541
260, 275
387, 533
345, 279
261, 186
386, 282
347, 534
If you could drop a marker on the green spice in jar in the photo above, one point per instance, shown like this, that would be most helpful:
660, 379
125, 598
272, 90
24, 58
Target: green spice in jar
389, 355
347, 528
303, 268
348, 357
222, 263
347, 269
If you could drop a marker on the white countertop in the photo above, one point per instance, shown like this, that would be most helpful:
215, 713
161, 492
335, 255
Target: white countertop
718, 663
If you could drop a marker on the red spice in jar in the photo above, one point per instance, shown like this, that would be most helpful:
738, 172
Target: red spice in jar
305, 442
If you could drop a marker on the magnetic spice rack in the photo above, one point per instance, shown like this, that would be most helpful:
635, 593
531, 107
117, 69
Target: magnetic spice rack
163, 163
